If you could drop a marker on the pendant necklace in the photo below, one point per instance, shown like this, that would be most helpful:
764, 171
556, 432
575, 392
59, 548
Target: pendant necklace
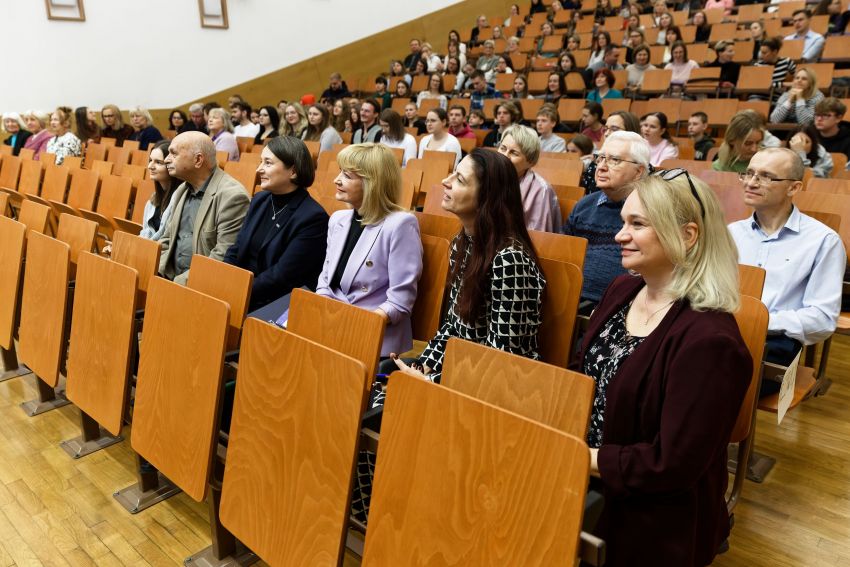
654, 313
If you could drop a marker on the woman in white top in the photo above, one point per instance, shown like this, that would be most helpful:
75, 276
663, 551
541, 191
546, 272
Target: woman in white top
653, 128
438, 138
435, 91
453, 50
319, 128
432, 62
680, 64
394, 135
64, 143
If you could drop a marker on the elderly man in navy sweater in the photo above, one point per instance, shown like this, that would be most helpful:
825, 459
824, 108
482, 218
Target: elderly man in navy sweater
624, 158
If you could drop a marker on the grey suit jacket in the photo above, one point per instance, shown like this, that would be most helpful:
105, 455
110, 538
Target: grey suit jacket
217, 225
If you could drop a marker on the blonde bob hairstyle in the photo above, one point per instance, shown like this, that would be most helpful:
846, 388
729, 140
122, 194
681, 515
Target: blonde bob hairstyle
224, 115
707, 273
376, 166
527, 140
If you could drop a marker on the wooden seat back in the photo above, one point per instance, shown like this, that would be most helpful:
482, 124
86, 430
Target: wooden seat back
561, 247
227, 283
244, 173
31, 175
752, 319
136, 173
297, 408
4, 205
79, 234
143, 194
84, 187
554, 396
427, 311
94, 153
533, 479
140, 254
353, 331
442, 226
13, 238
34, 216
114, 197
836, 204
130, 145
177, 397
560, 307
827, 185
101, 339
751, 280
10, 172
44, 306
55, 184
103, 168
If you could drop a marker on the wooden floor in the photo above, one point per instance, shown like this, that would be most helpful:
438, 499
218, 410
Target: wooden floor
55, 511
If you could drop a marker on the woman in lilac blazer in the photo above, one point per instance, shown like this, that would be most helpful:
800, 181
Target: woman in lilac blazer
374, 254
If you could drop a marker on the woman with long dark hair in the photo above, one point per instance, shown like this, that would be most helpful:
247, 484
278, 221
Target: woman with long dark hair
806, 142
178, 121
87, 128
496, 282
159, 207
269, 124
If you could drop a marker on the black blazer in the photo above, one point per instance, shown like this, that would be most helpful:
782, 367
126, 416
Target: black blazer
670, 410
19, 142
292, 256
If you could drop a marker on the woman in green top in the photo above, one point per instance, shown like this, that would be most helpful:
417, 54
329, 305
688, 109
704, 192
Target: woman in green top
744, 137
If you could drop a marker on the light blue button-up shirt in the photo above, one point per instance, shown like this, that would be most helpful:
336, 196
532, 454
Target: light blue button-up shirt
805, 262
812, 45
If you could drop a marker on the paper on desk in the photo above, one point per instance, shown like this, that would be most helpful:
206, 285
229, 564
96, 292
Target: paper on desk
786, 390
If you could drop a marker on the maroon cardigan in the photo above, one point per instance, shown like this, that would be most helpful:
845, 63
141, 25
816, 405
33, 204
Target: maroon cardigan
669, 414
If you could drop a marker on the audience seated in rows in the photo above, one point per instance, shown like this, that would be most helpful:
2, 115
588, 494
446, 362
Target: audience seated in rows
209, 206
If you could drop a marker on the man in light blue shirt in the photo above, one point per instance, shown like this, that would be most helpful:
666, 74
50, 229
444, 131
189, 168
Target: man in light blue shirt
812, 41
804, 259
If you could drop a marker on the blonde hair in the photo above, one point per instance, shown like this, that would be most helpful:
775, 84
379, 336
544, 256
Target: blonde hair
64, 115
527, 140
707, 273
119, 120
813, 82
225, 117
40, 115
143, 112
285, 128
380, 173
740, 127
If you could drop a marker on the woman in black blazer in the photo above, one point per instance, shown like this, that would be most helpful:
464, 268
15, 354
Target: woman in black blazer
282, 240
14, 126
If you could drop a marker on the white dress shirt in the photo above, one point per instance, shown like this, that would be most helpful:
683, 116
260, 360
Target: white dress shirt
805, 262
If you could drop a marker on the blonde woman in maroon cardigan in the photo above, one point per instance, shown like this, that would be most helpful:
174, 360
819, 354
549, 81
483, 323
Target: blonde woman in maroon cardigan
671, 371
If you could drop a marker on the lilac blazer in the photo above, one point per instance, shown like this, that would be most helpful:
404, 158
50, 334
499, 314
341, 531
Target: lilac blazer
383, 271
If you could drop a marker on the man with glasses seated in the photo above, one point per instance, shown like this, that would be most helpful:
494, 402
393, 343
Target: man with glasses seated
804, 259
833, 130
624, 158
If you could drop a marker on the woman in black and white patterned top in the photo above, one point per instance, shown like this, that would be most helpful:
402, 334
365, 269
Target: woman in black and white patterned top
497, 285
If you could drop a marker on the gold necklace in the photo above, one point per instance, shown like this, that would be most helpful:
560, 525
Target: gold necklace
654, 313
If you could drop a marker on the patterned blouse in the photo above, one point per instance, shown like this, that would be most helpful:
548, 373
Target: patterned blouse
65, 145
511, 316
606, 353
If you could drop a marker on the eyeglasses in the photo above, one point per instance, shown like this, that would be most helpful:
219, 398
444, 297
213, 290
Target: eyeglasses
825, 115
671, 174
612, 161
761, 178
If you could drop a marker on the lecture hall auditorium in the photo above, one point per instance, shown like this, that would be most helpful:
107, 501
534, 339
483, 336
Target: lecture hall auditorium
232, 413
